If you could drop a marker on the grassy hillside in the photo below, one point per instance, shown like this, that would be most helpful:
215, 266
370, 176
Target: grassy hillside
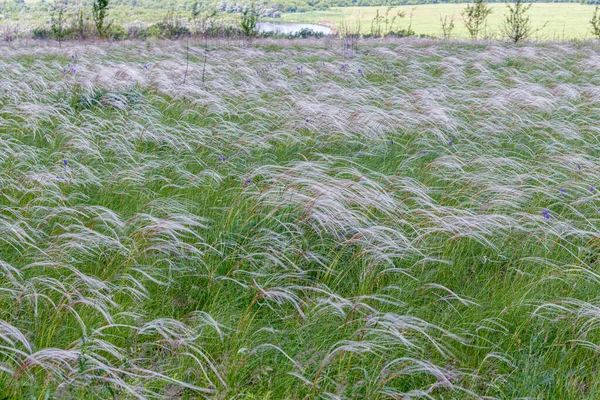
420, 221
565, 20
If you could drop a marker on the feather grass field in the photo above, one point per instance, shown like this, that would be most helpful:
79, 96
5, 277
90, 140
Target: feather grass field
419, 221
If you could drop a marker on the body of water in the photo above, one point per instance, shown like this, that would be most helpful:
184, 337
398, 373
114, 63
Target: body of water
291, 28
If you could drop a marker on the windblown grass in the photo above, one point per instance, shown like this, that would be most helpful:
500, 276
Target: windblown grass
299, 226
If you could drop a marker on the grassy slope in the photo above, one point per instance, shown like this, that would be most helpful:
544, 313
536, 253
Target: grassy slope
564, 20
342, 248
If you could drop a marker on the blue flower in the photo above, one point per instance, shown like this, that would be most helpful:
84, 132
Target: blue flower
392, 141
562, 191
450, 143
65, 162
360, 71
592, 188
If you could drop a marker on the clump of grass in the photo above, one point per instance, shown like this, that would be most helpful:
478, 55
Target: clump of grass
426, 228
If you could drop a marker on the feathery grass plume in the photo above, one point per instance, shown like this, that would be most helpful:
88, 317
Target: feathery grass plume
364, 258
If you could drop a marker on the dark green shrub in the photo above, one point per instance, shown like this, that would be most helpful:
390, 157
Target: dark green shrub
117, 32
307, 32
57, 21
40, 33
99, 11
249, 21
81, 26
138, 32
171, 27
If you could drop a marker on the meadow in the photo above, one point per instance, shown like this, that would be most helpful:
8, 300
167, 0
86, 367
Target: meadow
277, 221
563, 20
554, 21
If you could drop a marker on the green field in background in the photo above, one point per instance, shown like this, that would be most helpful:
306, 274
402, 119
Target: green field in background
564, 20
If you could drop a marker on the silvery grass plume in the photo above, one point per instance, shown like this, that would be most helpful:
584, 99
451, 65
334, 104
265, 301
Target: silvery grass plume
291, 227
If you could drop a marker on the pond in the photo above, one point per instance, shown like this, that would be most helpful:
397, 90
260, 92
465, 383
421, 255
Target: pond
291, 28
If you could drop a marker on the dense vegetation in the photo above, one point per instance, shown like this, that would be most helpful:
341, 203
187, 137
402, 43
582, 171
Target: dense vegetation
417, 221
18, 9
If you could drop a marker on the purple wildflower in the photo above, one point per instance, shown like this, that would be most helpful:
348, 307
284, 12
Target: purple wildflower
546, 213
392, 141
592, 188
360, 71
424, 152
65, 162
450, 143
306, 120
562, 191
